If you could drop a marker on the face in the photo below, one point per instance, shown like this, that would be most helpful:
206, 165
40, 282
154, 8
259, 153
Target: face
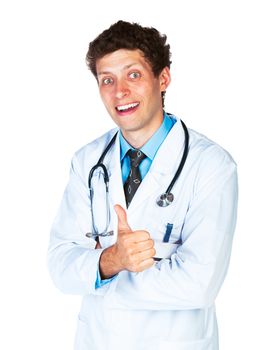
131, 93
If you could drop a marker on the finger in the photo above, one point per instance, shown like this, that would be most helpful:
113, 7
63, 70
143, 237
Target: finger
146, 264
143, 245
123, 225
140, 236
98, 245
146, 254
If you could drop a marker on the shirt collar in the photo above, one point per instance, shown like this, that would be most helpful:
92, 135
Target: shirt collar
151, 147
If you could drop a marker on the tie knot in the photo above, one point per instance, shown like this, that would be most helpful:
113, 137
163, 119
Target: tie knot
136, 156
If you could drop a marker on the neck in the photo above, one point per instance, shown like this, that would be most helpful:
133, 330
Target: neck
138, 138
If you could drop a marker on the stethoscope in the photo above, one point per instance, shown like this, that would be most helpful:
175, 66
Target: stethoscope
162, 201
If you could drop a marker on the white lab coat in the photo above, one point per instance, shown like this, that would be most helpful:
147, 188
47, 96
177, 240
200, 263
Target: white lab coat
170, 305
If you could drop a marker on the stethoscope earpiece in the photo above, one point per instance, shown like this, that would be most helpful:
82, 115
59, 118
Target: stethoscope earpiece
165, 199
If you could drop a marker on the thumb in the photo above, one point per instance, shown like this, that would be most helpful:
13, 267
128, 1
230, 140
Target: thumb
122, 219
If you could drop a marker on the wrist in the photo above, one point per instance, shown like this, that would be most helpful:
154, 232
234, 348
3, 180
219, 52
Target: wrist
108, 264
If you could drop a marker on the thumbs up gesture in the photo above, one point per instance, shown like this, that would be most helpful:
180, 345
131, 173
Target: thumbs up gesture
133, 250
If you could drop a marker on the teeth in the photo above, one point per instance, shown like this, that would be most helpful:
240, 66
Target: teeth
125, 107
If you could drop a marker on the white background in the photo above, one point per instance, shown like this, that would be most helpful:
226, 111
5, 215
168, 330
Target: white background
50, 107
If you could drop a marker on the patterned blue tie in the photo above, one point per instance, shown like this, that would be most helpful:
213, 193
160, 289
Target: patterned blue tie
134, 178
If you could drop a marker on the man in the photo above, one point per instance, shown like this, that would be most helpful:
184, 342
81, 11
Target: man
150, 279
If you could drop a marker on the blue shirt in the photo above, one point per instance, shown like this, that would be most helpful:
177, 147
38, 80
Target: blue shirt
149, 149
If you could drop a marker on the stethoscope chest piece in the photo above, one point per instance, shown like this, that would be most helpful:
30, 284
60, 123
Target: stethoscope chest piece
165, 199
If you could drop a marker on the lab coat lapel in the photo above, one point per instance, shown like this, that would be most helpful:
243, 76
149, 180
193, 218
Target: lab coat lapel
162, 169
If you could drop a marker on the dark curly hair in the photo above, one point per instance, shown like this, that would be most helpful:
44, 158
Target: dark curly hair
131, 36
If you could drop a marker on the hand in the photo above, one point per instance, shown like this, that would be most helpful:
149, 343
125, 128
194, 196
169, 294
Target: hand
98, 245
133, 250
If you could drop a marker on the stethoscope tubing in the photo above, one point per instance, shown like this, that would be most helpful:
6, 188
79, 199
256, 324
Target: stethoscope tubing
163, 200
183, 159
112, 141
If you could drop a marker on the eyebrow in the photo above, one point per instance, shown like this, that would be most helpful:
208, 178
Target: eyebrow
124, 68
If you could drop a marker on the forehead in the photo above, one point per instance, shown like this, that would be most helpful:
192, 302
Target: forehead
120, 60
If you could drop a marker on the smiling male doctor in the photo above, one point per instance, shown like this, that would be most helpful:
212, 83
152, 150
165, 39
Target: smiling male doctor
130, 301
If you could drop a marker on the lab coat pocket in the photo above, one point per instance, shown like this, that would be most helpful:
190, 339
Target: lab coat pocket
169, 231
82, 337
85, 337
167, 238
203, 344
164, 250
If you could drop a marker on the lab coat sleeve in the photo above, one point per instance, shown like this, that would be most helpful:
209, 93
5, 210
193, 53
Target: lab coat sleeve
193, 276
72, 257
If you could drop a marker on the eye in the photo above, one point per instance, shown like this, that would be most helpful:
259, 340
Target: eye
134, 75
107, 81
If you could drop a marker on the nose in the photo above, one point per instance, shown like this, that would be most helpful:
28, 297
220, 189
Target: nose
122, 90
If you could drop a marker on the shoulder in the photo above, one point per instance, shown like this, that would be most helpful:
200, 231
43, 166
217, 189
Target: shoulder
211, 163
207, 150
203, 149
97, 144
87, 156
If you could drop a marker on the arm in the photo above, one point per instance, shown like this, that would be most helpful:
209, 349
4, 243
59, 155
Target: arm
72, 257
195, 273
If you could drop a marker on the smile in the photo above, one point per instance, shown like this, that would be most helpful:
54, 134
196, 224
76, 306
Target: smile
127, 107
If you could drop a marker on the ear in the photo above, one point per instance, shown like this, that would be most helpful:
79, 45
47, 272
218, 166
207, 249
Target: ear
164, 79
